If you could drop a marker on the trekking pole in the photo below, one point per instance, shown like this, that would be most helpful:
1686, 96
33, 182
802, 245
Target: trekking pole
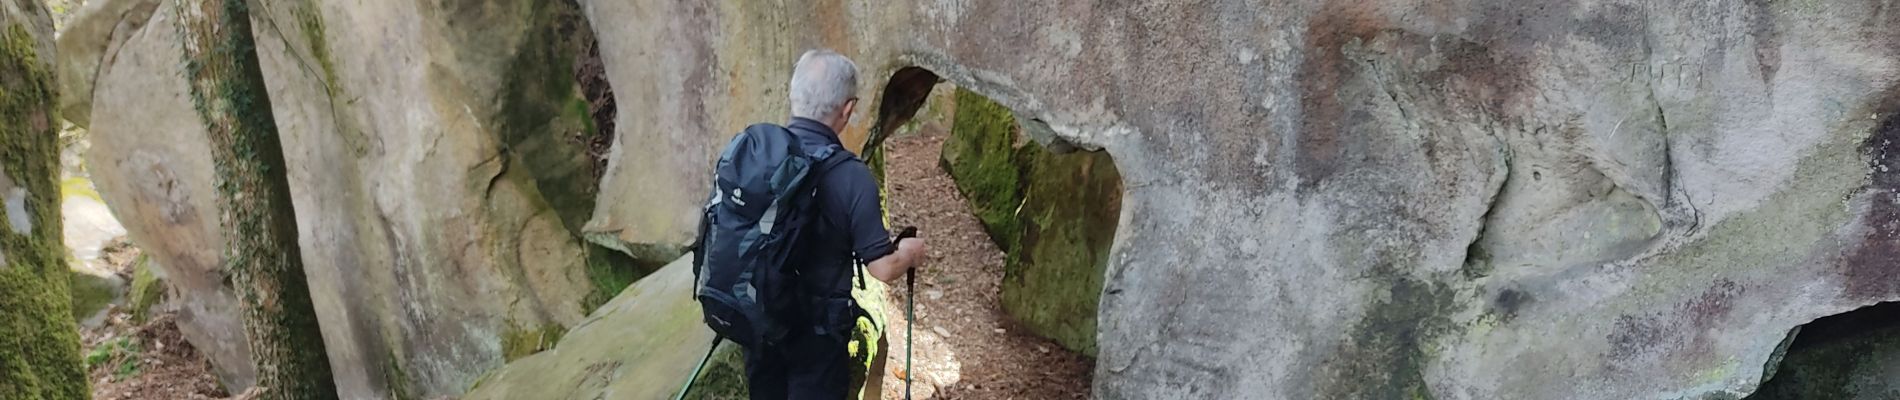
910, 311
696, 370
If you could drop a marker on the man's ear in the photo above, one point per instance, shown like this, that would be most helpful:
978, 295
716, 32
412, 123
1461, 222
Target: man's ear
850, 106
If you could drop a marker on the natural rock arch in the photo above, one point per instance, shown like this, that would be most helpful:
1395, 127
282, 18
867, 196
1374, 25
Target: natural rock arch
1052, 209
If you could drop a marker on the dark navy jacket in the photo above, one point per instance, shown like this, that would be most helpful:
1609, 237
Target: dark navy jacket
851, 224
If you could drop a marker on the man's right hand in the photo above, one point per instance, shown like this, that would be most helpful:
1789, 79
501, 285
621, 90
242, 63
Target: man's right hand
914, 250
909, 254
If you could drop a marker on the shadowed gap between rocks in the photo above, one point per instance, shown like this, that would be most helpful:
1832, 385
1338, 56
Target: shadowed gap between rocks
1850, 356
1051, 210
558, 123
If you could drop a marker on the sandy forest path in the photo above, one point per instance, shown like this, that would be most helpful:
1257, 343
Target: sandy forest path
966, 346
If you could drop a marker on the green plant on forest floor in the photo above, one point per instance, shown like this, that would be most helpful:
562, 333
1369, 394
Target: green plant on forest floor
121, 356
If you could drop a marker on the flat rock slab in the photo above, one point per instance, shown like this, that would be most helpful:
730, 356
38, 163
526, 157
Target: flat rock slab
640, 345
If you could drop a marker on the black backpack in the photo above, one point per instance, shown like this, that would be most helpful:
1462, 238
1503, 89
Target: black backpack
760, 207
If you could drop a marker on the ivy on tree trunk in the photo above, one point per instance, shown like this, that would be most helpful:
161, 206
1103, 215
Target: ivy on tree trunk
255, 214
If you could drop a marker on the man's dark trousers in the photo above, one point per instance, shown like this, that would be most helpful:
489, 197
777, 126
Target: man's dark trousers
806, 367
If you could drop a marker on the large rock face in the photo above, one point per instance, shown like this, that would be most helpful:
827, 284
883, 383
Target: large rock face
1477, 199
429, 148
151, 163
1332, 199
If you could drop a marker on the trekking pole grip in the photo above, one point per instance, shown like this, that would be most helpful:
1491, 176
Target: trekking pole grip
910, 275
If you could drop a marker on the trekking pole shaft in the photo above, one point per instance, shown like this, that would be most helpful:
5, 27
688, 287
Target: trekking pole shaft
910, 324
698, 369
910, 312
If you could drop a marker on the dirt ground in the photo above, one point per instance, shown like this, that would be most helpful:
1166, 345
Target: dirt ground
149, 361
966, 346
127, 359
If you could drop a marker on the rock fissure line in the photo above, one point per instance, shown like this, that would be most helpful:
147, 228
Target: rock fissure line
1474, 250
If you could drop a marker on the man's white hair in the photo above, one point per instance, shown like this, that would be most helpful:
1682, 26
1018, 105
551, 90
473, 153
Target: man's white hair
822, 82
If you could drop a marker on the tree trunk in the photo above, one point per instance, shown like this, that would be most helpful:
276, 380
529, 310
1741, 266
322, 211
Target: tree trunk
261, 253
39, 342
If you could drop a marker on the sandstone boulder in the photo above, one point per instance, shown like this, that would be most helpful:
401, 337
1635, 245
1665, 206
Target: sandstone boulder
434, 168
640, 345
1477, 199
1335, 199
150, 163
644, 344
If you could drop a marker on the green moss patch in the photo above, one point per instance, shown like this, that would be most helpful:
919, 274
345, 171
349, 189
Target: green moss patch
611, 271
147, 289
1055, 216
545, 117
43, 358
548, 123
981, 156
522, 342
398, 379
90, 293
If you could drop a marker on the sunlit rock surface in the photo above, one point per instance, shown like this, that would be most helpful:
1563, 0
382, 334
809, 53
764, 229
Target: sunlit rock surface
1374, 200
433, 251
1334, 199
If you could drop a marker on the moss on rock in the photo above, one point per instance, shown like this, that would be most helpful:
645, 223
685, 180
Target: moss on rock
981, 156
90, 293
520, 342
1053, 280
547, 122
611, 271
1055, 216
146, 291
545, 118
42, 360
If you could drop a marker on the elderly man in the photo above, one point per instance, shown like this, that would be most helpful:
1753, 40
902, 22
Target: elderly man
849, 230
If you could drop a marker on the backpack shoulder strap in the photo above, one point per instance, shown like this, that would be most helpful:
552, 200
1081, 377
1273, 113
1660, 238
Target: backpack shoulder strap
831, 157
